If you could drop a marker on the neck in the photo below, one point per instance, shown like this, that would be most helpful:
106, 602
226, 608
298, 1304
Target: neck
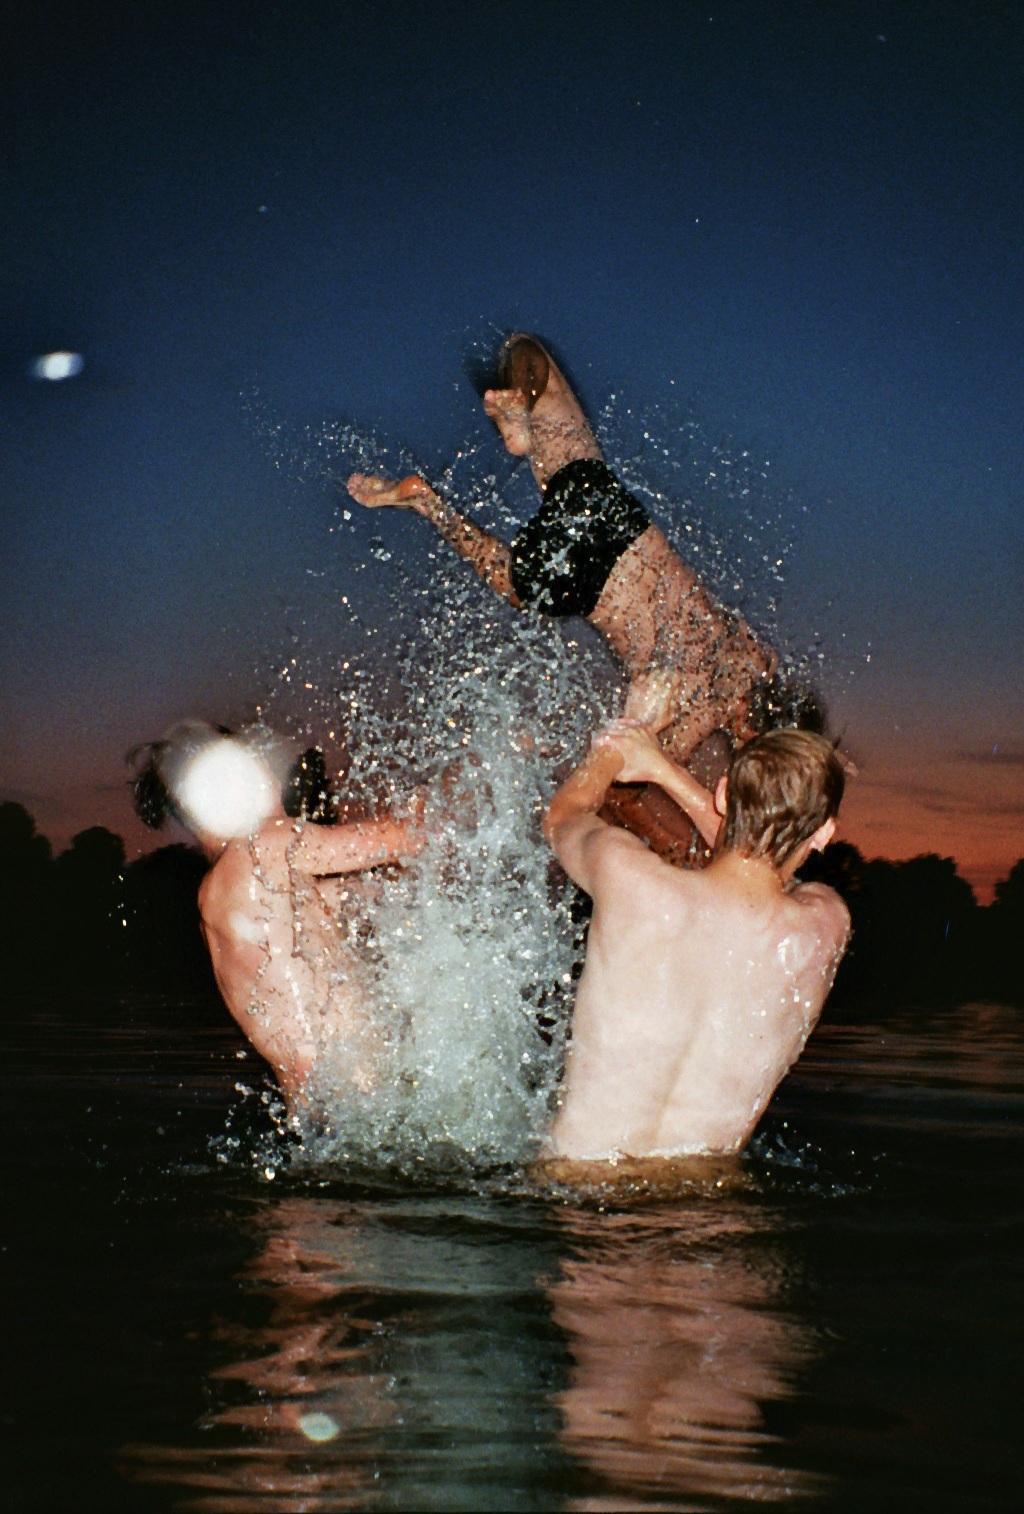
754, 873
212, 847
763, 868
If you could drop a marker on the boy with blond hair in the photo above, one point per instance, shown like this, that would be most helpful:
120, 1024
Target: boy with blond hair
700, 988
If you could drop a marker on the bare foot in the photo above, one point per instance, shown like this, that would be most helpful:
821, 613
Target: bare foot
536, 412
374, 491
509, 409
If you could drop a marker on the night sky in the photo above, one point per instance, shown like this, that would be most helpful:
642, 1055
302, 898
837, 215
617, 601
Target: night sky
796, 226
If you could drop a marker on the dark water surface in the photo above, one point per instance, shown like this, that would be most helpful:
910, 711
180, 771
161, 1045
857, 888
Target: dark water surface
834, 1322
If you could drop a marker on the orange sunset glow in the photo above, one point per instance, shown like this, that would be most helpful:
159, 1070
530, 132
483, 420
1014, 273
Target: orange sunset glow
971, 811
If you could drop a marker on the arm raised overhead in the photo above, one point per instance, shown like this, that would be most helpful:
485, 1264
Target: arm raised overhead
571, 825
643, 761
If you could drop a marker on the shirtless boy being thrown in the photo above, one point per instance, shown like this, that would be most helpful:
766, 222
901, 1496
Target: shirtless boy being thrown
592, 550
699, 988
280, 896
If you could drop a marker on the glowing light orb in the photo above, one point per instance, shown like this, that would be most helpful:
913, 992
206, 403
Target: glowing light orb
58, 365
318, 1426
227, 791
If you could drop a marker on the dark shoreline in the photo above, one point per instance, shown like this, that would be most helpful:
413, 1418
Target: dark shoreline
87, 925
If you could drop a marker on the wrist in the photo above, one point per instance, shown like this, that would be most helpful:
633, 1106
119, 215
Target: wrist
659, 768
604, 765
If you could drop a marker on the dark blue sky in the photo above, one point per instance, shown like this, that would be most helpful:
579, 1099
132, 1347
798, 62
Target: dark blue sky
798, 224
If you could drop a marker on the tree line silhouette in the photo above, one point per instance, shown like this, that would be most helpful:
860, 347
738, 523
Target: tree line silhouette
88, 923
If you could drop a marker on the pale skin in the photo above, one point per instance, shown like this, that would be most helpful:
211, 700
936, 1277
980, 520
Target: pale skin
279, 911
699, 989
653, 610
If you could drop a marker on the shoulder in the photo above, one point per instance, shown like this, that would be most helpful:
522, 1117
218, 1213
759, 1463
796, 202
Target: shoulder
826, 905
596, 854
225, 872
235, 868
218, 885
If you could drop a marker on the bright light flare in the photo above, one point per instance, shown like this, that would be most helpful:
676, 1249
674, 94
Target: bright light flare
58, 365
227, 791
318, 1427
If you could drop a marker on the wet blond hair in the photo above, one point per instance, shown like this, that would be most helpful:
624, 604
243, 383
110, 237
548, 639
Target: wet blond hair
781, 788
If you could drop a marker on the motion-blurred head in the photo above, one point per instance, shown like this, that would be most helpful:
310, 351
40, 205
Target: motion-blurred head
222, 786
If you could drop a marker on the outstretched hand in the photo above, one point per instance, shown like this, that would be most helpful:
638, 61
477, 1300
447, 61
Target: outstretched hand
642, 757
374, 491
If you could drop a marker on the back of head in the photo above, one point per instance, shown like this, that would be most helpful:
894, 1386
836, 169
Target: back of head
223, 785
782, 787
159, 769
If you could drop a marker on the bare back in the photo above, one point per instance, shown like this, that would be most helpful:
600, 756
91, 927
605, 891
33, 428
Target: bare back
285, 954
699, 992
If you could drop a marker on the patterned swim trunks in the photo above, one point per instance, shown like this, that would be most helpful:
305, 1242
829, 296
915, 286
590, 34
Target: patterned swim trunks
562, 557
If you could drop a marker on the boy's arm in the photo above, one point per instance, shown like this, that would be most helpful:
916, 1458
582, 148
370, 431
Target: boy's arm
487, 555
323, 851
643, 761
571, 826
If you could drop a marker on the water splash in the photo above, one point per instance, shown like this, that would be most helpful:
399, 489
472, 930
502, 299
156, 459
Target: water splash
473, 951
475, 945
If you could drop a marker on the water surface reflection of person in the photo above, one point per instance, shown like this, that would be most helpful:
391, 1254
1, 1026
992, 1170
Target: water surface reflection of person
420, 1350
679, 1330
301, 1428
388, 1350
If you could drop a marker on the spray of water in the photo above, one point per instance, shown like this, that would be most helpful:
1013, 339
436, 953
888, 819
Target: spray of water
470, 954
466, 957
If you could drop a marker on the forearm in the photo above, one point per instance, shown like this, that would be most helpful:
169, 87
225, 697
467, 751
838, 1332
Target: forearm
487, 555
583, 792
692, 797
644, 761
325, 851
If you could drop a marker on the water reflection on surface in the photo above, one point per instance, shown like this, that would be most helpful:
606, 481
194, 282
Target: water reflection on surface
303, 1371
834, 1321
385, 1352
679, 1331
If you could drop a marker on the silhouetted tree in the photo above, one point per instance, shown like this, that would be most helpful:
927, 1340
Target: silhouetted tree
86, 923
1010, 890
840, 865
166, 951
1002, 945
88, 911
914, 929
924, 926
26, 868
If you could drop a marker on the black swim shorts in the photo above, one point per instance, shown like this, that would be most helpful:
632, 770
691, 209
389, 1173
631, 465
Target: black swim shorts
562, 557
